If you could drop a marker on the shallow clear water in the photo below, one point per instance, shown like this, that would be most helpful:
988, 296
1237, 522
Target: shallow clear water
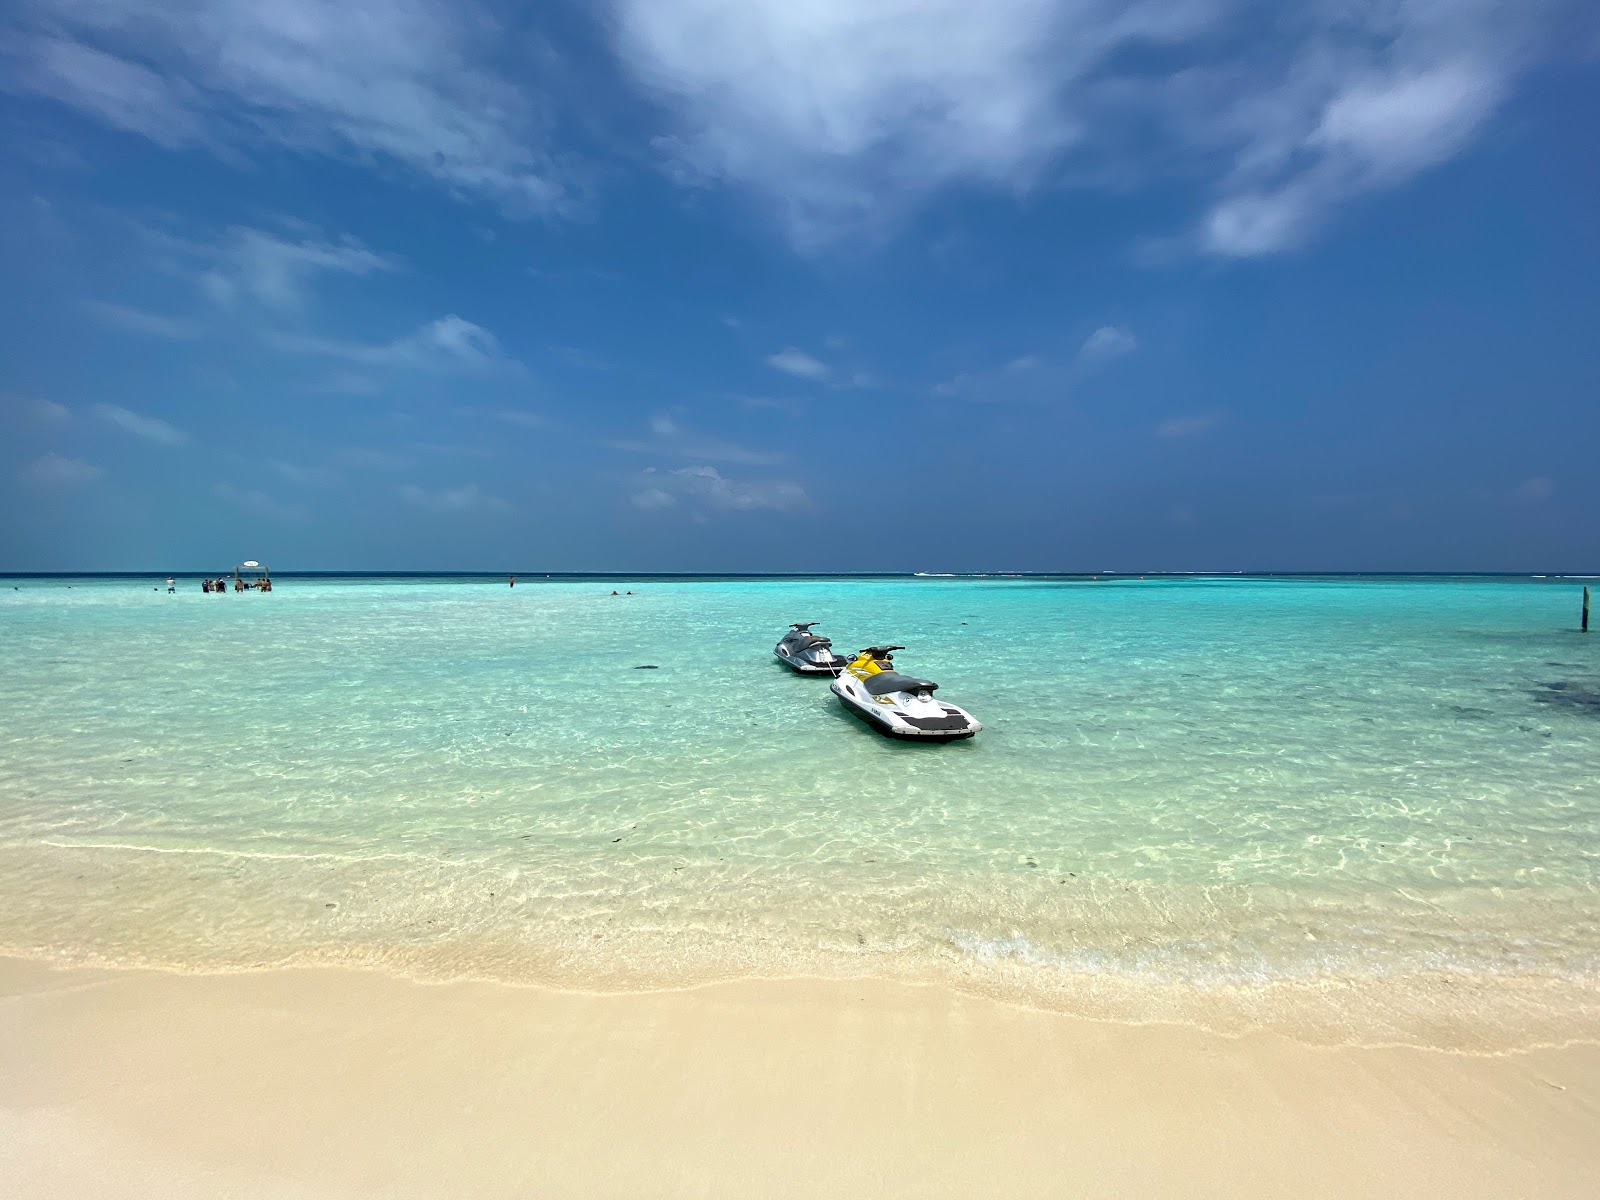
1357, 809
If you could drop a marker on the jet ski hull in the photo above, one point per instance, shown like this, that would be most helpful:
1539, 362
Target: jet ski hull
802, 667
952, 726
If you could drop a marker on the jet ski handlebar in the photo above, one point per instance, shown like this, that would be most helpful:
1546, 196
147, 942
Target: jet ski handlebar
881, 651
805, 627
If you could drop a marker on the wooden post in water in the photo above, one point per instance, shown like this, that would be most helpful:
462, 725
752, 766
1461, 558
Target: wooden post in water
1586, 610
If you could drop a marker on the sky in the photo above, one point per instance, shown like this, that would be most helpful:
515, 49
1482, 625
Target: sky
800, 285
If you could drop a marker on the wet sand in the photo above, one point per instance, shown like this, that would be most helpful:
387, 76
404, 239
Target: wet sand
342, 1083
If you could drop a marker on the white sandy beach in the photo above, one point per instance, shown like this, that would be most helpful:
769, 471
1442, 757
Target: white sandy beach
333, 1083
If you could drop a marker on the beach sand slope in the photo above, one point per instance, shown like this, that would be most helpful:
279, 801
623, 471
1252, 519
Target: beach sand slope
293, 1084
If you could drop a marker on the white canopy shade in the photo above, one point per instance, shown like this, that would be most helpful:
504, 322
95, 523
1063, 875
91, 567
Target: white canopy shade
251, 563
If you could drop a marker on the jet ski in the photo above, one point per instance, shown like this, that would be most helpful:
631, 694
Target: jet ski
901, 706
808, 653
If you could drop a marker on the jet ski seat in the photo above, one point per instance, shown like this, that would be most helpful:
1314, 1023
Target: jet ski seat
885, 682
807, 641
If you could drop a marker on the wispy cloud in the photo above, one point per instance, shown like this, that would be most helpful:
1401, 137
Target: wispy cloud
799, 364
151, 429
1043, 377
304, 476
260, 504
1178, 427
449, 344
136, 320
1535, 490
58, 471
705, 487
467, 498
277, 271
1106, 343
653, 498
34, 410
520, 417
668, 439
844, 118
1374, 126
395, 82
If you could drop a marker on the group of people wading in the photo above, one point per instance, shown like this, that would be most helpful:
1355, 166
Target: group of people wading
239, 585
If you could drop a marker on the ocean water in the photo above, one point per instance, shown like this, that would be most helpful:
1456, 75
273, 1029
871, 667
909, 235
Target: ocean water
1348, 809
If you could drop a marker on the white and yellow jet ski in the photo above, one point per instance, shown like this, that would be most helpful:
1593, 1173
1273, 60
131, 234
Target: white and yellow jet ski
899, 705
808, 653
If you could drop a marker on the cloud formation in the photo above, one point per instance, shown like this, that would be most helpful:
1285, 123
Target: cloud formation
841, 118
799, 364
136, 320
396, 82
277, 271
151, 429
844, 117
707, 488
58, 471
1177, 427
449, 344
670, 440
1107, 342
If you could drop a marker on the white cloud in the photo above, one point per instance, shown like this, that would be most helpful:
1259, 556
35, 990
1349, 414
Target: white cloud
1028, 379
35, 409
467, 498
670, 440
152, 429
117, 91
843, 117
449, 344
798, 363
707, 488
58, 471
1536, 489
304, 476
404, 82
652, 498
259, 504
1175, 427
1375, 127
135, 320
277, 271
1106, 343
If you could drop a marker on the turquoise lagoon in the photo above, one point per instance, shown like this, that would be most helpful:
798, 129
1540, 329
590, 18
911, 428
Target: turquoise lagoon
1352, 809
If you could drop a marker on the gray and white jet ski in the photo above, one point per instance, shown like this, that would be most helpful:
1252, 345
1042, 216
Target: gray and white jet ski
901, 706
808, 653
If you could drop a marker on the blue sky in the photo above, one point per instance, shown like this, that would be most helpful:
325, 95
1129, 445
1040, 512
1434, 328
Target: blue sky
800, 285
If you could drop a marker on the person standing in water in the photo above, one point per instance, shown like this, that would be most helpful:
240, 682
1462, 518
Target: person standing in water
511, 580
171, 586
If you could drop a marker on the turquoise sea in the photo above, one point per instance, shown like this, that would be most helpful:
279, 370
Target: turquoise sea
1353, 809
